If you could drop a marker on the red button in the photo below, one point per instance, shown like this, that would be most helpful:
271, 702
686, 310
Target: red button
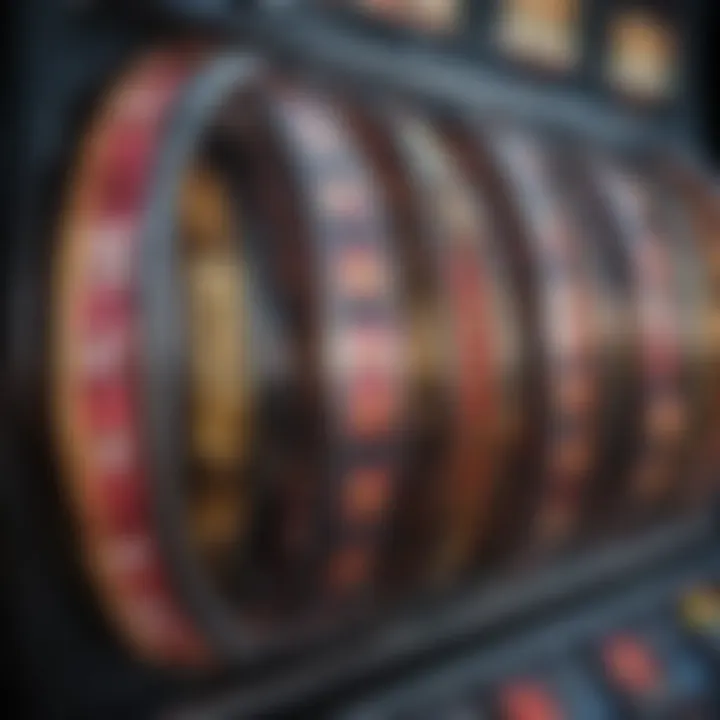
631, 665
529, 701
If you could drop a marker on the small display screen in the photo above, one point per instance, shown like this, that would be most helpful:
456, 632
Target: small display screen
543, 32
642, 51
429, 16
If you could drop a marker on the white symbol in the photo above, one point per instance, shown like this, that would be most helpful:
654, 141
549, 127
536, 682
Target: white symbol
111, 253
115, 453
